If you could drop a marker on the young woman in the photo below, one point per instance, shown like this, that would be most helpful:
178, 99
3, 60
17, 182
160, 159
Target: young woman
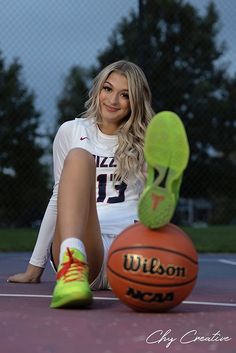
99, 172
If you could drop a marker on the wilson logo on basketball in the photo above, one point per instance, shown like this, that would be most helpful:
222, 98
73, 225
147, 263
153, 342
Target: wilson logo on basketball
153, 266
150, 297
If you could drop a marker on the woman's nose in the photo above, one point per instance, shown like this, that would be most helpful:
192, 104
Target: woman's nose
114, 98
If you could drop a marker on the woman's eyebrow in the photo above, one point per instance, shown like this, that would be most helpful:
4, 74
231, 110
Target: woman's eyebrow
123, 90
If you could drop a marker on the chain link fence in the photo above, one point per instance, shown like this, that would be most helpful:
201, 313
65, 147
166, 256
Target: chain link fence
49, 38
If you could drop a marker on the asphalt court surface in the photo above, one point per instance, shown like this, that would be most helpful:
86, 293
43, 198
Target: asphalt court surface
204, 322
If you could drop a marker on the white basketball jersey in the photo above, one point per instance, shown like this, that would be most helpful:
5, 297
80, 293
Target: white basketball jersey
116, 205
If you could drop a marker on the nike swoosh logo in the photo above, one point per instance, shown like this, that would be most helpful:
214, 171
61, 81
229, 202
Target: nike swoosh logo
83, 138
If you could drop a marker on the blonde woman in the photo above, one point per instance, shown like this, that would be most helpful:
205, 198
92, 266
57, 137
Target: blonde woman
99, 172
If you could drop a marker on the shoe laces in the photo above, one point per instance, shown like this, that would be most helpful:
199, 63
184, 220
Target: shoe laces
73, 269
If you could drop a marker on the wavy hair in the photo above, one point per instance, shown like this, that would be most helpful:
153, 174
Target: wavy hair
129, 155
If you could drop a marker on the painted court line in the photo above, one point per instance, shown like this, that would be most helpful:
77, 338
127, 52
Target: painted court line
228, 262
210, 303
114, 299
26, 295
224, 261
208, 260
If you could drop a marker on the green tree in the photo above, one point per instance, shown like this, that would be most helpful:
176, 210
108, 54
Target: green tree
179, 50
23, 178
180, 53
74, 94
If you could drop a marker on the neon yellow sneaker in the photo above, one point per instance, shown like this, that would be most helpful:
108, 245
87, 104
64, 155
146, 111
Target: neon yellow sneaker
72, 287
166, 152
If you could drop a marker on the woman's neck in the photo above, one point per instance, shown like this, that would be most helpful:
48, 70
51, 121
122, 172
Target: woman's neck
108, 129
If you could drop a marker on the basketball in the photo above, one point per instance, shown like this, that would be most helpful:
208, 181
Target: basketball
152, 270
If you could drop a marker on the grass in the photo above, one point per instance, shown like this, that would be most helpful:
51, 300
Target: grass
217, 239
22, 239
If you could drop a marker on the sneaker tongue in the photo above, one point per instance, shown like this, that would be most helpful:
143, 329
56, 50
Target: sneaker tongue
75, 253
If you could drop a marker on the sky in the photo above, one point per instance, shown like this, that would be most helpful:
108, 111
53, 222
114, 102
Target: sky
50, 36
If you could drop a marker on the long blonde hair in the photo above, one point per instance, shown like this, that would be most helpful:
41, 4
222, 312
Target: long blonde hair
129, 155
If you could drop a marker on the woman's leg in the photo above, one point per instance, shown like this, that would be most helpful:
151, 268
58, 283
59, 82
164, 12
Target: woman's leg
77, 213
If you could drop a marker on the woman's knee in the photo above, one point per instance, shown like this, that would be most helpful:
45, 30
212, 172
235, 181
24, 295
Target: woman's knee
79, 155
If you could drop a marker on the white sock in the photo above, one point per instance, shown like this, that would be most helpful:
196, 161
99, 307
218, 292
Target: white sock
72, 243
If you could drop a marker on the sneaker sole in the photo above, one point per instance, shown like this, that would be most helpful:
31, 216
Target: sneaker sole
71, 301
166, 150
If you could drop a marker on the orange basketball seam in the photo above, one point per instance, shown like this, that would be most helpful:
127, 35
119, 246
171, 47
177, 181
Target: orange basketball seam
149, 284
153, 247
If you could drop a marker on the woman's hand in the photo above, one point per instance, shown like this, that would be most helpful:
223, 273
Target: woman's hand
31, 275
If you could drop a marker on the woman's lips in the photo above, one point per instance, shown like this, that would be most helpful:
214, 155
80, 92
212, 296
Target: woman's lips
111, 109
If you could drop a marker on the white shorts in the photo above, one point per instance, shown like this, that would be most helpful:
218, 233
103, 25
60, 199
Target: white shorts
100, 281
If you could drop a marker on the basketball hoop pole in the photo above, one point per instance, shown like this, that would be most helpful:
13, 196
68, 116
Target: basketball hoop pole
140, 33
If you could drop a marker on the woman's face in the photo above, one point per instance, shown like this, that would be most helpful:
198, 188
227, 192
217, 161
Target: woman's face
114, 102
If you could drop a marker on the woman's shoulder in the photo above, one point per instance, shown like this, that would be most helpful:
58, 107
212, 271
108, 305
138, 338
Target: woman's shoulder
69, 125
86, 122
70, 130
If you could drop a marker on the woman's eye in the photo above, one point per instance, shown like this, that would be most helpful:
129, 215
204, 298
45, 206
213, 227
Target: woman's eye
106, 88
125, 95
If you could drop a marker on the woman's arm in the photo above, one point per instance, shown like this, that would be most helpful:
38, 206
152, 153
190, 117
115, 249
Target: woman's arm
41, 250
